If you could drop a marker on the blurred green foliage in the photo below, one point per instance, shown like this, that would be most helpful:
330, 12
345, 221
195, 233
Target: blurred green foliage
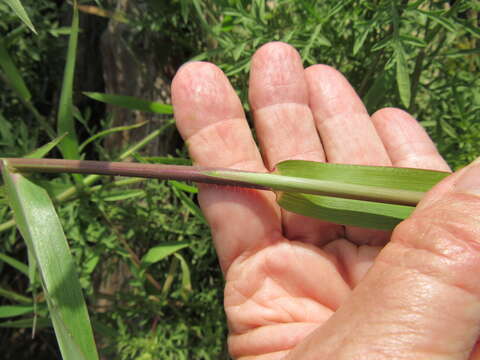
420, 55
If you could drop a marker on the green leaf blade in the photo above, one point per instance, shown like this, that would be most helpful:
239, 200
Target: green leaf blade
132, 103
159, 252
18, 8
381, 176
39, 225
359, 213
403, 76
14, 263
45, 149
15, 310
12, 74
66, 122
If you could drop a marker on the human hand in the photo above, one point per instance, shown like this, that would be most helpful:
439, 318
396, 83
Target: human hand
297, 287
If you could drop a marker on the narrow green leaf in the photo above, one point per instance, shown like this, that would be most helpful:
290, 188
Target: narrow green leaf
403, 76
345, 211
355, 212
448, 129
381, 176
472, 29
66, 121
45, 149
461, 53
194, 209
14, 263
159, 252
9, 294
120, 195
386, 41
186, 278
6, 132
14, 310
359, 40
439, 18
108, 132
12, 74
17, 7
163, 160
183, 187
376, 93
25, 323
131, 103
40, 227
412, 40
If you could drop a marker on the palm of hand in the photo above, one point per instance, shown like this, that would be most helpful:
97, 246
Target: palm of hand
286, 274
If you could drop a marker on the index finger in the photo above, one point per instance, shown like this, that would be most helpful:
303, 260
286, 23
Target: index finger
210, 118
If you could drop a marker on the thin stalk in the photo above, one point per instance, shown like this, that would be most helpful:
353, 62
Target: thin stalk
219, 176
162, 172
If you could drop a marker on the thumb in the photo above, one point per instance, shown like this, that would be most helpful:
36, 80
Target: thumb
421, 298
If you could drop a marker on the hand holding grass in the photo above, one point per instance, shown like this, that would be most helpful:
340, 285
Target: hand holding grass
299, 283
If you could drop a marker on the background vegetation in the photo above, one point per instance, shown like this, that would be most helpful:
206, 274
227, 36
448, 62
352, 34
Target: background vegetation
143, 249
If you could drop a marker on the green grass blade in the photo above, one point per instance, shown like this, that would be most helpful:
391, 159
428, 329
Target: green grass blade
381, 176
403, 76
14, 263
345, 211
355, 212
45, 149
14, 310
40, 227
160, 252
65, 121
186, 278
25, 323
17, 7
132, 103
12, 74
9, 294
188, 202
108, 132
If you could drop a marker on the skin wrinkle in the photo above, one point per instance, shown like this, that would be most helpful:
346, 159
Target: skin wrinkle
365, 153
340, 260
268, 232
289, 121
276, 269
409, 326
283, 342
223, 131
262, 318
393, 262
270, 69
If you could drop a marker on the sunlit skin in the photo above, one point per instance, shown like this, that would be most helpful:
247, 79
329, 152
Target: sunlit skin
299, 288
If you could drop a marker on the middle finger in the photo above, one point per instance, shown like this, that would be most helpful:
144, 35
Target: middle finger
348, 135
286, 130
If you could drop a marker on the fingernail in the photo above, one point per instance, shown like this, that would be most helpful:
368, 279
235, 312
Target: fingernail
469, 182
